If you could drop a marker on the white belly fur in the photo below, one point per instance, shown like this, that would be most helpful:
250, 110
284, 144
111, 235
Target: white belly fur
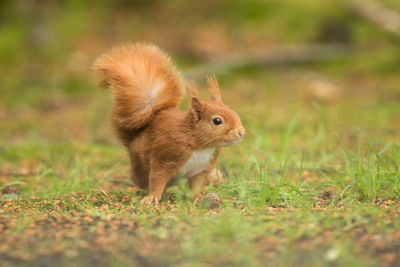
197, 163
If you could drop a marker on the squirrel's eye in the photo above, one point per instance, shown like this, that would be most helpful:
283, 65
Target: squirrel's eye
217, 121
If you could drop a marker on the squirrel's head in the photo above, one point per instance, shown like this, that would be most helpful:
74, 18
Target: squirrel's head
215, 123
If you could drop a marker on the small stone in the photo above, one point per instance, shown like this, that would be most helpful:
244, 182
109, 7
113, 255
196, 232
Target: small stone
328, 193
212, 200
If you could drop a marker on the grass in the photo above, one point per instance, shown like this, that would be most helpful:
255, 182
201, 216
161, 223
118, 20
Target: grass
275, 207
315, 182
304, 190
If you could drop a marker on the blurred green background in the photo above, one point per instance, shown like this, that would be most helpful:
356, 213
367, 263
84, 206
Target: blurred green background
49, 94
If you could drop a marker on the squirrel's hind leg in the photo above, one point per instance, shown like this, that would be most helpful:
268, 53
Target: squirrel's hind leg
139, 171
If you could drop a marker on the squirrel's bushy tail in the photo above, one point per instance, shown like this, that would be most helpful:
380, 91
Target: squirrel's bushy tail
143, 81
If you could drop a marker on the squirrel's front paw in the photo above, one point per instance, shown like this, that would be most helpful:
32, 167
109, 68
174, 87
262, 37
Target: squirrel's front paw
150, 200
216, 177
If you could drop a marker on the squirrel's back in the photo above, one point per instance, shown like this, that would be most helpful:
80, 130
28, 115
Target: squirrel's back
143, 81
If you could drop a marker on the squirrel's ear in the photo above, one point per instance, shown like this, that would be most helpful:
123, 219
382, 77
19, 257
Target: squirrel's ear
213, 88
196, 107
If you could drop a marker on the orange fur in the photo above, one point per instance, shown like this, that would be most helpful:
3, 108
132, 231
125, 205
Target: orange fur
143, 81
160, 138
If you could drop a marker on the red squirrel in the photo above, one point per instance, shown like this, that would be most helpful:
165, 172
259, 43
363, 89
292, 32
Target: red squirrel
163, 141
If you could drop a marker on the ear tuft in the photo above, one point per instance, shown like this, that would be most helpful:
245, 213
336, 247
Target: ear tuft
213, 88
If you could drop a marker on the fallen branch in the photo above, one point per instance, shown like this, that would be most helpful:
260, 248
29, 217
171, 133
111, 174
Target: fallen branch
284, 54
380, 15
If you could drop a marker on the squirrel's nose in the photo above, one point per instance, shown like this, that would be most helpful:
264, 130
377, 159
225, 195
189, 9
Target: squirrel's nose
241, 131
